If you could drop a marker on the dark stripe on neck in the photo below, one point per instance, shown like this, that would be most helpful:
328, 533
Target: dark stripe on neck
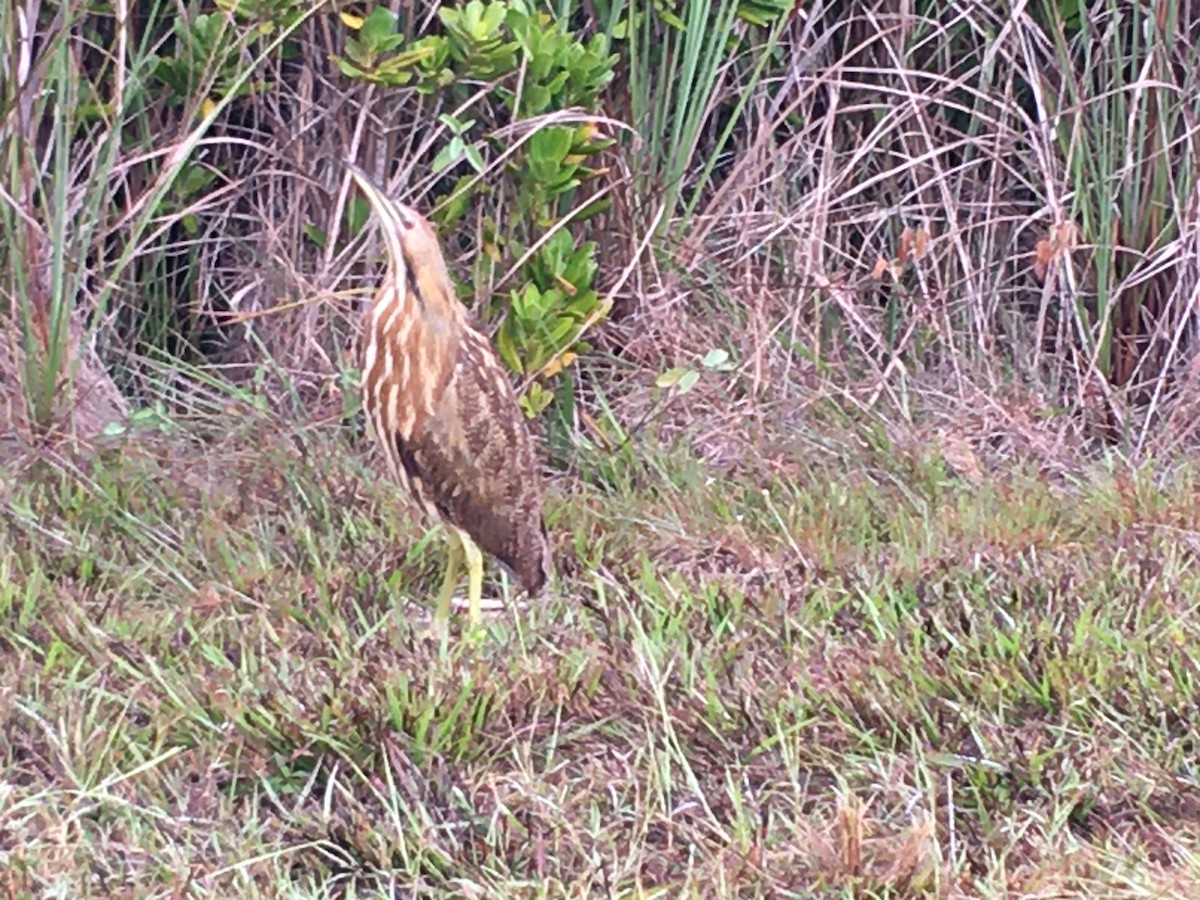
411, 284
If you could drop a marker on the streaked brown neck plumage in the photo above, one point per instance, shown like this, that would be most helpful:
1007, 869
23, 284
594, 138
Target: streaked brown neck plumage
441, 315
415, 322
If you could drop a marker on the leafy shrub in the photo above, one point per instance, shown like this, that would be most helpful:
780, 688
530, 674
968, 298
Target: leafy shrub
538, 66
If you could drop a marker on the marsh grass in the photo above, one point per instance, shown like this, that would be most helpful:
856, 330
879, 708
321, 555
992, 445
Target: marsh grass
827, 683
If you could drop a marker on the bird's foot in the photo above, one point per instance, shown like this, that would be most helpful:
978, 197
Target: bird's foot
474, 629
436, 629
486, 604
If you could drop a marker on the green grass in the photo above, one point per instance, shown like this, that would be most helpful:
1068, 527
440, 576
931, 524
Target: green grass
873, 680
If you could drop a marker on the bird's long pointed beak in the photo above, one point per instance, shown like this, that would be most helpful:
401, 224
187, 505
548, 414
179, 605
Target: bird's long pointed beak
375, 194
387, 208
391, 216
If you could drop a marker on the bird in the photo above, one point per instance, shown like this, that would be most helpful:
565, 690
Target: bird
440, 405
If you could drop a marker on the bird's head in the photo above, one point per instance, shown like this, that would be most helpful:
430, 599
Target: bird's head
412, 244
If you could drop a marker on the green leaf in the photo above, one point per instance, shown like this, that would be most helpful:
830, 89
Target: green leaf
474, 157
535, 399
717, 359
507, 349
456, 126
378, 27
675, 376
448, 155
592, 208
550, 145
671, 19
492, 20
453, 208
582, 305
349, 69
314, 234
561, 330
358, 210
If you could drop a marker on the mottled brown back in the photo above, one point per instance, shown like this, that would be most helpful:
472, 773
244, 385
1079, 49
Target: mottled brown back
476, 463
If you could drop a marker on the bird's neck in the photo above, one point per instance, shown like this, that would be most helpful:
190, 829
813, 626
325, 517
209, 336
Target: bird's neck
421, 322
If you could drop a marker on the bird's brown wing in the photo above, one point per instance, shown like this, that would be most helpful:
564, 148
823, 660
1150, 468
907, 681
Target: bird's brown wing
477, 465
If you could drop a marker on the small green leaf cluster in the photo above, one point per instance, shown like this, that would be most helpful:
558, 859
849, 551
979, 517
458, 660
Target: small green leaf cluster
205, 53
200, 42
379, 53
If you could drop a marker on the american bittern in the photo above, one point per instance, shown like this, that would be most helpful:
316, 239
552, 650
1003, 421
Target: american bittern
445, 413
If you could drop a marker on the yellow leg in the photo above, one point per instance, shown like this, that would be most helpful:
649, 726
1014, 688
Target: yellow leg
454, 558
474, 559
